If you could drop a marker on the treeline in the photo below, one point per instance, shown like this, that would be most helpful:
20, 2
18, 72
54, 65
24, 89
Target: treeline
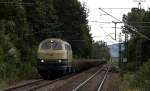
65, 19
100, 50
138, 47
25, 23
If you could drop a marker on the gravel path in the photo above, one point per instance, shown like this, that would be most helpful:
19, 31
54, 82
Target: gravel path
112, 82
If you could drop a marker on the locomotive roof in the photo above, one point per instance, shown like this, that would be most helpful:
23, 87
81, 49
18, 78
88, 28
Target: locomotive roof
65, 42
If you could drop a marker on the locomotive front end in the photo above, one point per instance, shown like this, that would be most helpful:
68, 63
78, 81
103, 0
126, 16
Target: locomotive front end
52, 58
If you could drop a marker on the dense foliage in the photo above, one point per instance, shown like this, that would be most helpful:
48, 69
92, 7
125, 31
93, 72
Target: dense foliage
15, 51
143, 74
74, 26
138, 50
65, 19
25, 23
138, 46
100, 51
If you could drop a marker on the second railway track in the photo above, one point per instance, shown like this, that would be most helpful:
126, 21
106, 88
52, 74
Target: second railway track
34, 85
94, 82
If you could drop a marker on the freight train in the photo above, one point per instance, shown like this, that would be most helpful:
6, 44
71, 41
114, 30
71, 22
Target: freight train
55, 58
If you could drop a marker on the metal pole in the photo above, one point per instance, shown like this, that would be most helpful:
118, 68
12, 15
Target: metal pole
126, 40
120, 50
115, 31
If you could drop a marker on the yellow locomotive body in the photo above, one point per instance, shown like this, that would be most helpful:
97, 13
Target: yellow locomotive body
54, 56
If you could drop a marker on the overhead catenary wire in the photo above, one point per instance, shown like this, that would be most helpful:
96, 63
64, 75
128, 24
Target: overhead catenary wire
131, 27
45, 32
17, 3
115, 8
108, 36
134, 29
107, 33
110, 15
122, 22
101, 22
110, 41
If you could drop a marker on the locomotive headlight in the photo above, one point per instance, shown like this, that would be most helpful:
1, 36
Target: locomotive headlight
59, 61
42, 61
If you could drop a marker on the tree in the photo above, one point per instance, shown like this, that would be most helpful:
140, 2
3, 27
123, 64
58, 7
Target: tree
74, 26
15, 49
25, 23
100, 50
42, 19
12, 29
134, 18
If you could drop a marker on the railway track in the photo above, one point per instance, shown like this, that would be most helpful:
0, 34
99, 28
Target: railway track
22, 85
32, 86
97, 79
45, 85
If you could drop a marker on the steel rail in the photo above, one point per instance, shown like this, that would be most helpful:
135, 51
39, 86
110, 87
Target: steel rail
42, 85
50, 82
101, 85
86, 81
22, 85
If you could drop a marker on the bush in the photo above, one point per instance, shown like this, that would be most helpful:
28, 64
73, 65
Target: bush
143, 75
15, 63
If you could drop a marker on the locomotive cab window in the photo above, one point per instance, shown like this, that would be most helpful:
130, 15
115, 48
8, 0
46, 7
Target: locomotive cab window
52, 44
56, 45
46, 45
67, 47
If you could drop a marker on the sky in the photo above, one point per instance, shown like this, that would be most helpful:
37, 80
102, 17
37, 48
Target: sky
105, 31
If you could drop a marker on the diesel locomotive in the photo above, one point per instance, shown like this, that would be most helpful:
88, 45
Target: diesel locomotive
54, 57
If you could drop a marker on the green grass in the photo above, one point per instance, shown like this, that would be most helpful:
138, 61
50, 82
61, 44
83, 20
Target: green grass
112, 62
10, 77
128, 83
3, 84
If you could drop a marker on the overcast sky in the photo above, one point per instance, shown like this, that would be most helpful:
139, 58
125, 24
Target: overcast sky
100, 31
